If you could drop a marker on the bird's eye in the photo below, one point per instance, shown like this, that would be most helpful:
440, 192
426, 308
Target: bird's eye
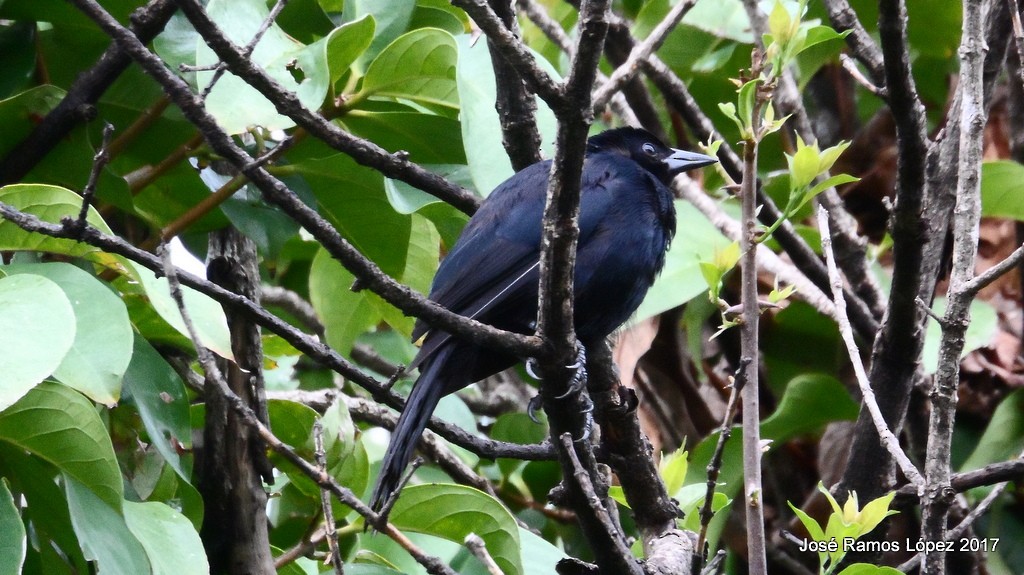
649, 149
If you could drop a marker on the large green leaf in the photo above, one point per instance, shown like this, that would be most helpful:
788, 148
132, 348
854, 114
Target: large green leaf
680, 281
207, 316
810, 401
170, 541
37, 329
427, 138
102, 346
418, 66
102, 531
345, 313
46, 507
466, 510
12, 534
346, 43
391, 18
160, 397
352, 198
57, 424
481, 128
299, 68
1004, 437
49, 203
1002, 190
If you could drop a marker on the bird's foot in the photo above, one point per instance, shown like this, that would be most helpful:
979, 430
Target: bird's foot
579, 377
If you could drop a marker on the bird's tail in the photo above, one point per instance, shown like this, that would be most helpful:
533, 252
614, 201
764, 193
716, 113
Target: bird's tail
426, 393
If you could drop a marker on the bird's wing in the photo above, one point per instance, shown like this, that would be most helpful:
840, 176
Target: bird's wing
496, 259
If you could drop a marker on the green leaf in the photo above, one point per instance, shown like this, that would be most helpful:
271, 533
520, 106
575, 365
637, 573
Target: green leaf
719, 501
298, 68
170, 541
49, 203
420, 266
467, 511
19, 114
346, 43
102, 347
1004, 437
345, 313
481, 128
59, 425
419, 66
102, 531
745, 105
160, 397
538, 555
809, 523
780, 23
681, 279
803, 166
427, 138
46, 507
810, 401
831, 182
392, 20
353, 200
673, 471
874, 512
1002, 189
12, 534
37, 328
406, 199
984, 323
207, 316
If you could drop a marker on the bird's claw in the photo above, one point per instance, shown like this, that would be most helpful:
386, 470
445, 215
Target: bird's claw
536, 402
579, 378
532, 369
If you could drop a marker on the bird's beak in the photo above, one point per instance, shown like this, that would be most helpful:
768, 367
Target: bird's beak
681, 161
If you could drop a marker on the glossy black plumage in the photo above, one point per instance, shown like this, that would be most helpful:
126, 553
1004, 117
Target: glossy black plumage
626, 222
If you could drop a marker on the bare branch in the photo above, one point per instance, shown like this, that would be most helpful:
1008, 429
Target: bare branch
888, 439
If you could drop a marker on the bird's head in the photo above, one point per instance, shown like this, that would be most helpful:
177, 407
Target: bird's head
647, 150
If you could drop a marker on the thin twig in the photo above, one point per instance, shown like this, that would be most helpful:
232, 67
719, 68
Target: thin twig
753, 491
476, 546
888, 439
982, 280
221, 67
851, 68
99, 161
715, 465
515, 52
325, 501
640, 52
582, 480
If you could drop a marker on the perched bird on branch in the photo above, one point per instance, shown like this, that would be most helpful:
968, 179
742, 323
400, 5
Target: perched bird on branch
626, 222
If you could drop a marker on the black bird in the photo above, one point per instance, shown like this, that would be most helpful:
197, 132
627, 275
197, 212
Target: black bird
491, 274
